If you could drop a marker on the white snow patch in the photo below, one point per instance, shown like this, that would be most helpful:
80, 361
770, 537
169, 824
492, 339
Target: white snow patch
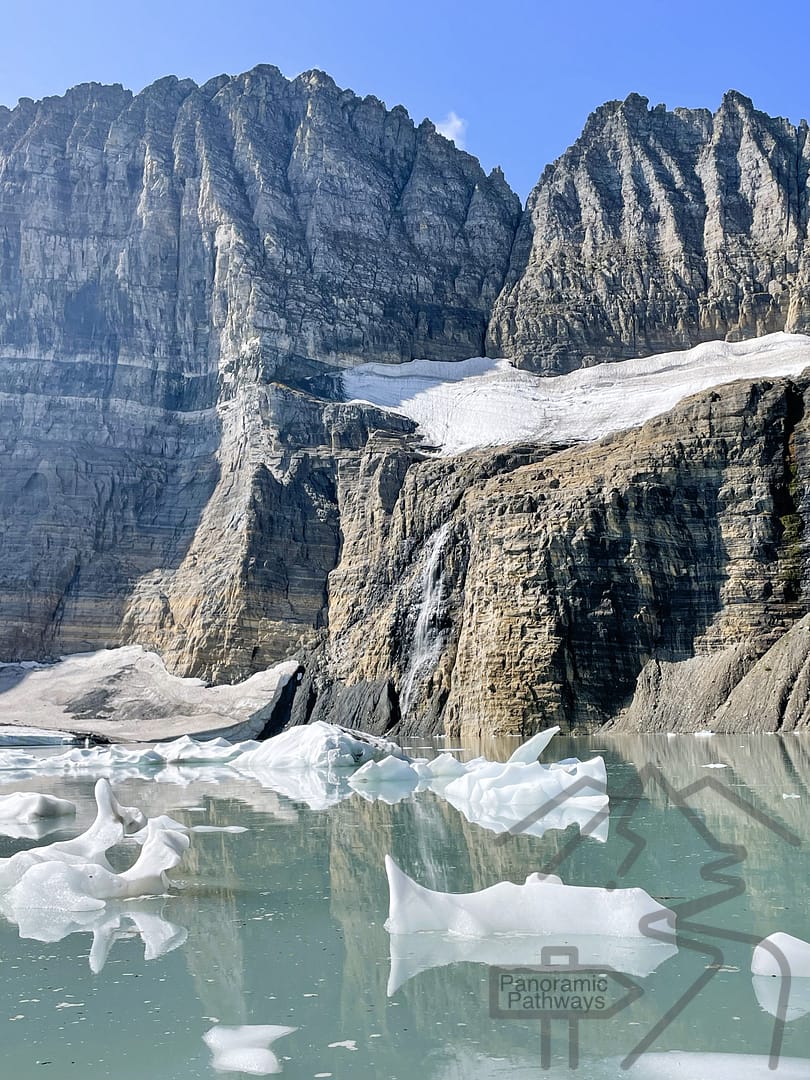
483, 402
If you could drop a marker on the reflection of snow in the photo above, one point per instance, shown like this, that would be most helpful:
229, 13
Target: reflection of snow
482, 402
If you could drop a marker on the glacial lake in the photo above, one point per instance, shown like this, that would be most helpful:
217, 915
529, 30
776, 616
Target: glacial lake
284, 925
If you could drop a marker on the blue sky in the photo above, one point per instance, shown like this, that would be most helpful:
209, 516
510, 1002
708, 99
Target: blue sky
521, 76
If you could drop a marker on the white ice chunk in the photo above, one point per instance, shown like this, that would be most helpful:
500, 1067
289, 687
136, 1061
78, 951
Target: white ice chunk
532, 798
442, 767
245, 1049
683, 1065
318, 746
782, 955
85, 886
786, 999
390, 770
27, 806
531, 750
90, 846
539, 906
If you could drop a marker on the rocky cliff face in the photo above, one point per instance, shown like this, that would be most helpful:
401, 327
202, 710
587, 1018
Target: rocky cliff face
181, 274
185, 273
638, 579
658, 230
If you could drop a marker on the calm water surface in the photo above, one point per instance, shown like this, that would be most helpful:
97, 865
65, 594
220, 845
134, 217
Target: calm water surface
284, 925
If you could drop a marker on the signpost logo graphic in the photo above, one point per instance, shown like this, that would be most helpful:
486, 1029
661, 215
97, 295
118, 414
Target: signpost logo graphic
559, 989
692, 932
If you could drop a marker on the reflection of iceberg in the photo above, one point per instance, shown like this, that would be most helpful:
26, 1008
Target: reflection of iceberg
786, 1000
681, 1065
412, 954
31, 830
319, 790
245, 1049
115, 922
27, 806
542, 905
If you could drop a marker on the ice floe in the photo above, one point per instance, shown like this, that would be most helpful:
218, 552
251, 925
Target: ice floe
245, 1049
86, 886
318, 746
542, 905
686, 1065
782, 955
28, 806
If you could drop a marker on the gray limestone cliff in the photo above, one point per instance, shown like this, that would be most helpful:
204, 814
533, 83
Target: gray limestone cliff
182, 274
658, 230
657, 579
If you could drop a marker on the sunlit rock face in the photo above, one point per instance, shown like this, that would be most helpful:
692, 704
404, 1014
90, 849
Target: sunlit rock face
660, 229
639, 577
180, 271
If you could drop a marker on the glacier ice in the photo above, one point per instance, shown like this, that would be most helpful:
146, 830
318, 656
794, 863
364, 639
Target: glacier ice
782, 955
91, 846
481, 402
317, 746
686, 1065
86, 886
245, 1049
542, 905
28, 806
531, 797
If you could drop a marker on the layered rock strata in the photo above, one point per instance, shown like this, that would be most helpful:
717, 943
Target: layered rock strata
658, 230
642, 576
182, 274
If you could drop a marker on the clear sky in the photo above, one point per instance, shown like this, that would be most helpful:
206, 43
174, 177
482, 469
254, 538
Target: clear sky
519, 76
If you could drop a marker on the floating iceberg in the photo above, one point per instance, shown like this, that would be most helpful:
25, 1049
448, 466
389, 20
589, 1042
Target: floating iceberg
542, 905
87, 886
411, 954
786, 999
390, 771
681, 1065
114, 759
245, 1049
782, 955
317, 746
28, 806
532, 797
90, 846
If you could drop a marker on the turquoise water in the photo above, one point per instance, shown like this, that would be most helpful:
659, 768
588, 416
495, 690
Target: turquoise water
284, 925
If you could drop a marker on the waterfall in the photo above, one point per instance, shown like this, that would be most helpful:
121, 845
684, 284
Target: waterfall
426, 643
